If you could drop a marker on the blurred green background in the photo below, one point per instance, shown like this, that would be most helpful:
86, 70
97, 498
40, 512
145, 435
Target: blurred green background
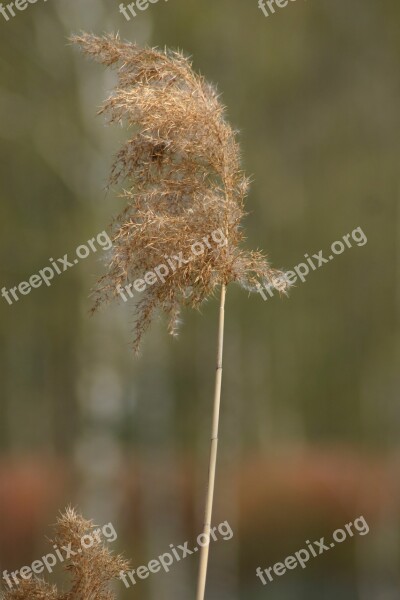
310, 411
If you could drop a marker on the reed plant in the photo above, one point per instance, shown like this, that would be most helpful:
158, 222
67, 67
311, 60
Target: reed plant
182, 179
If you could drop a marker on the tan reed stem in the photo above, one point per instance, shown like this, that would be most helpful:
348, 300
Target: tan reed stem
213, 455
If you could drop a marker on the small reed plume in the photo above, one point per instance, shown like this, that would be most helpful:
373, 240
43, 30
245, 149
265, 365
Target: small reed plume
91, 570
183, 181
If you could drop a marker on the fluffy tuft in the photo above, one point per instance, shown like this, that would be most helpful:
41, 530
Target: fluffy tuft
91, 571
183, 180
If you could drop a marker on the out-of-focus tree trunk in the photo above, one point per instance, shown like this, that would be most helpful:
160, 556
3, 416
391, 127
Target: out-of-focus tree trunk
160, 467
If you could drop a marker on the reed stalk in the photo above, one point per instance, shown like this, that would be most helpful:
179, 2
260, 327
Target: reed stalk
201, 585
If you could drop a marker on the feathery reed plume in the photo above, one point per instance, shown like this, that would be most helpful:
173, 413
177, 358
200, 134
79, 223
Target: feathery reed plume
91, 570
184, 181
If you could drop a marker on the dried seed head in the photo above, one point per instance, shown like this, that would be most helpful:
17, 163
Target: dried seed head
32, 589
95, 567
183, 181
92, 569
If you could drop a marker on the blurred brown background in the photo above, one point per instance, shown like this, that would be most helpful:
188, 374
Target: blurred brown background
310, 414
